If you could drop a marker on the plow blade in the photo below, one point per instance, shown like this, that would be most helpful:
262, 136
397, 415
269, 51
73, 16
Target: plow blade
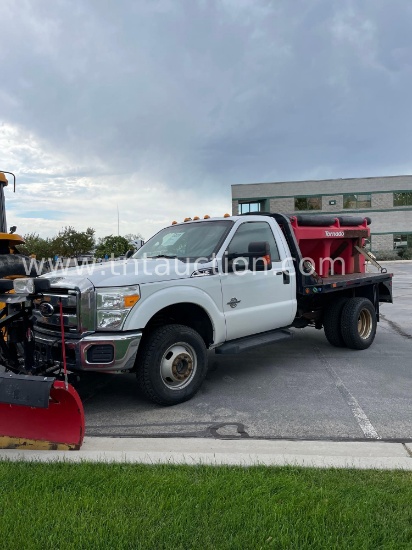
39, 413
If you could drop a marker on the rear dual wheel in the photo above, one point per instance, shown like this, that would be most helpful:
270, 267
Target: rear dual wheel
350, 322
332, 323
358, 323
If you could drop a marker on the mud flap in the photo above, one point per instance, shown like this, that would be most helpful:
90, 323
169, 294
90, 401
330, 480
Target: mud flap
39, 413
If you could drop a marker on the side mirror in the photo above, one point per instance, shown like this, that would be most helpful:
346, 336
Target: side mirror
259, 256
129, 253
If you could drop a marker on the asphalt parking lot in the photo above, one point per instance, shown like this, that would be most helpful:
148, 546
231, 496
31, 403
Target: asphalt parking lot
302, 389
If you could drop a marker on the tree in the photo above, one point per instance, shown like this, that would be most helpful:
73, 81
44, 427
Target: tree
41, 248
112, 244
133, 237
72, 243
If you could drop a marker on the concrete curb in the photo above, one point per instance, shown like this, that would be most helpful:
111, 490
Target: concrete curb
242, 452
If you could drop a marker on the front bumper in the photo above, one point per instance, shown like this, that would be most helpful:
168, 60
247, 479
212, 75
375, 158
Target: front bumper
122, 358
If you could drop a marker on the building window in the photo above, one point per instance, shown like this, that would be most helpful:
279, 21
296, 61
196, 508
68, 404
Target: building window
308, 203
402, 241
357, 201
245, 207
402, 199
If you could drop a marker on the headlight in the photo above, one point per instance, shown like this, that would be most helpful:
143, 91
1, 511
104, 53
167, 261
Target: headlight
30, 286
114, 305
23, 286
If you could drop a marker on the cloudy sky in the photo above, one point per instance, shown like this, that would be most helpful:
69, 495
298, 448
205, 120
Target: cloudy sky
158, 106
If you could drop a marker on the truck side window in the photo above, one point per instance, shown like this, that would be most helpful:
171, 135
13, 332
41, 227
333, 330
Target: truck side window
252, 232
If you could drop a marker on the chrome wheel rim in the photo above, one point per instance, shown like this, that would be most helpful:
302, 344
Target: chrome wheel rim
178, 366
365, 324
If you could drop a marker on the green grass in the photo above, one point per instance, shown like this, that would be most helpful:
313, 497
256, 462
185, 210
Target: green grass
136, 506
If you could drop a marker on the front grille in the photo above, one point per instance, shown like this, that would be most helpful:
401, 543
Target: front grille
47, 310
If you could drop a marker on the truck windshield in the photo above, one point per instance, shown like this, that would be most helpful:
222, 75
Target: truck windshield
190, 241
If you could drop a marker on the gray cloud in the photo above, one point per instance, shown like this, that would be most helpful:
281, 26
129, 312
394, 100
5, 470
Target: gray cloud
198, 95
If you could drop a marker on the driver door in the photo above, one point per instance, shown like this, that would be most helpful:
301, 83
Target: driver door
256, 301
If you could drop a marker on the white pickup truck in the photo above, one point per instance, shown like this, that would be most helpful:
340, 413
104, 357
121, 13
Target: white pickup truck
228, 284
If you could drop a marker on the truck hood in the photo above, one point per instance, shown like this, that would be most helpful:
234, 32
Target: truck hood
123, 273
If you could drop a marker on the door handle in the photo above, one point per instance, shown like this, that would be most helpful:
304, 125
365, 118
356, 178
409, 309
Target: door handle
286, 276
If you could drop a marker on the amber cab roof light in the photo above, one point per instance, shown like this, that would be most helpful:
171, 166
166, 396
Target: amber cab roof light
196, 218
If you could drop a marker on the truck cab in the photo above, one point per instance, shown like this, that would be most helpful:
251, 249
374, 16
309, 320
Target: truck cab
213, 261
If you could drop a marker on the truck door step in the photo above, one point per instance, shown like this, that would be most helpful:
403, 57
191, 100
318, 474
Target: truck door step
255, 341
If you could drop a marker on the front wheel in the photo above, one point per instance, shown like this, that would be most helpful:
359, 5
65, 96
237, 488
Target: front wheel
358, 323
172, 364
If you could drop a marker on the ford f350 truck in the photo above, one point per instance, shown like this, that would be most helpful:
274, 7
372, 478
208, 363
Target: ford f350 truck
229, 284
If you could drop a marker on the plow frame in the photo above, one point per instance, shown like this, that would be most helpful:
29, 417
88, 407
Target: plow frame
37, 411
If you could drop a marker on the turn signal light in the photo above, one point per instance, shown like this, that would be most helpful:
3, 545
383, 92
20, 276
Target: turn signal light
130, 301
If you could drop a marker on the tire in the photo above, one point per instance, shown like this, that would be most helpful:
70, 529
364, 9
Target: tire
172, 364
358, 323
20, 265
332, 323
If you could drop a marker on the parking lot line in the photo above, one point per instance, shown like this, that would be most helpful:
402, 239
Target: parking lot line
357, 411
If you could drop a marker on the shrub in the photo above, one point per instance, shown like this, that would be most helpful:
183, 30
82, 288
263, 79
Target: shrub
386, 255
406, 253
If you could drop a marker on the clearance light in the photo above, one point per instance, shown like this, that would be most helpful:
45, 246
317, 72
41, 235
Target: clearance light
196, 218
174, 222
206, 217
226, 215
187, 220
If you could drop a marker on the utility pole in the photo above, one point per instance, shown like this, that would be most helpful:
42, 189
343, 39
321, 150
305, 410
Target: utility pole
118, 222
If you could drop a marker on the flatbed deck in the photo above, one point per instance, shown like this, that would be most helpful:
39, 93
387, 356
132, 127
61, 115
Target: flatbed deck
356, 278
335, 283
